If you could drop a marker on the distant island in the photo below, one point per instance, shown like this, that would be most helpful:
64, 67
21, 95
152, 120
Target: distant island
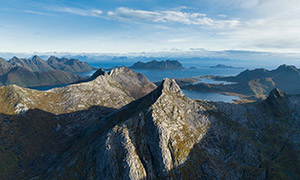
225, 66
158, 65
35, 72
257, 83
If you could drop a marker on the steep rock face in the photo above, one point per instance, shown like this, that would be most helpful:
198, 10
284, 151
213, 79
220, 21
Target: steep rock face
114, 90
166, 135
148, 138
36, 126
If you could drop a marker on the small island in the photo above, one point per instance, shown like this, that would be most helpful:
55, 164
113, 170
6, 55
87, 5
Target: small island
158, 65
225, 66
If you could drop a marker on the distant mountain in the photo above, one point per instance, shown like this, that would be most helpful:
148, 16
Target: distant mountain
36, 64
69, 65
37, 72
257, 82
158, 65
26, 78
225, 66
4, 66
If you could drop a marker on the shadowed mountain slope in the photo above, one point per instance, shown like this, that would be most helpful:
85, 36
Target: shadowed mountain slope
23, 77
37, 126
165, 135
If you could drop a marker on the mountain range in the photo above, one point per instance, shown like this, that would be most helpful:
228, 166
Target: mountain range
121, 126
257, 82
37, 72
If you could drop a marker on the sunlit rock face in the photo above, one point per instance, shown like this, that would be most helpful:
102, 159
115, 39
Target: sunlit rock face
165, 135
37, 126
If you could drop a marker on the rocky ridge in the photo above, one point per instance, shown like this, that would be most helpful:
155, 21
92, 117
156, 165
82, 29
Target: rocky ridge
36, 127
161, 135
165, 135
113, 90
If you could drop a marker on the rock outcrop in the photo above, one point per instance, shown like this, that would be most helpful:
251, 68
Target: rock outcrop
118, 126
165, 135
36, 127
112, 90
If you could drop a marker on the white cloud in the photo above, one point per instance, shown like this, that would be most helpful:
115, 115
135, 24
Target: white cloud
78, 11
187, 18
176, 40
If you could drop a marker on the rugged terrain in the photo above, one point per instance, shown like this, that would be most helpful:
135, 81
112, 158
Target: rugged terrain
158, 65
36, 127
257, 83
162, 135
165, 135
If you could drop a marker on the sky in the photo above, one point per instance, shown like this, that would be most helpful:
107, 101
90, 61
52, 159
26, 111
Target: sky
121, 26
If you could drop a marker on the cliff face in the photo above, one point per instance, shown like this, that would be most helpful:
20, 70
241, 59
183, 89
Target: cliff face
166, 135
36, 127
118, 127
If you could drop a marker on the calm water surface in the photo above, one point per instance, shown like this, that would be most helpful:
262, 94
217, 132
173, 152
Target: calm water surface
209, 96
156, 76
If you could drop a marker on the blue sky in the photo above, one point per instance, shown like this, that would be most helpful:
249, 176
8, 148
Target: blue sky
121, 26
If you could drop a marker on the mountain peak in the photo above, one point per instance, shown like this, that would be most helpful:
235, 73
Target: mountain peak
287, 67
276, 96
119, 70
171, 86
277, 93
35, 57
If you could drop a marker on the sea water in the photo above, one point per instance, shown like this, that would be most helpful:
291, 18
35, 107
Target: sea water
196, 71
157, 76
